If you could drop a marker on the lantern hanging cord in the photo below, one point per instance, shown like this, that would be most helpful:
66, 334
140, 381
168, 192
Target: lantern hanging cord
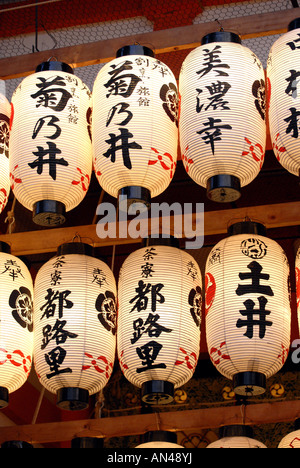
11, 217
221, 27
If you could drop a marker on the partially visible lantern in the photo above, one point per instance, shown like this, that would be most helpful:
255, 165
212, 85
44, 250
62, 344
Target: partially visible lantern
291, 440
283, 97
159, 319
50, 142
297, 274
236, 436
5, 112
160, 440
248, 314
135, 127
222, 115
16, 323
74, 319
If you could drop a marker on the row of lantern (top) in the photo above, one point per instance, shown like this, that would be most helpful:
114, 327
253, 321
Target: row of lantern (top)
127, 129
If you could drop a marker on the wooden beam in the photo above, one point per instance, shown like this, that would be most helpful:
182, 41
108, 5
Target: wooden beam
215, 222
175, 421
167, 40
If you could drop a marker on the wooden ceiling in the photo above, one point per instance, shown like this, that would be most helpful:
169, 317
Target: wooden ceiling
272, 198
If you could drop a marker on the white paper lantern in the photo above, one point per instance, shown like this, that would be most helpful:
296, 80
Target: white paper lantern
248, 314
16, 323
284, 98
5, 112
74, 319
291, 440
159, 440
222, 115
159, 320
135, 127
236, 436
50, 143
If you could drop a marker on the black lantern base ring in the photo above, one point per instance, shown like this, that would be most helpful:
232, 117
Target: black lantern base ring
157, 392
4, 397
223, 188
13, 444
133, 199
249, 383
72, 398
49, 213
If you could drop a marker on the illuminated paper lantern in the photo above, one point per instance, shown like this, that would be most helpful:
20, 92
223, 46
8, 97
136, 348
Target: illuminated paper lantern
248, 315
135, 127
74, 320
291, 440
16, 323
5, 111
159, 320
160, 440
283, 96
222, 115
50, 143
236, 436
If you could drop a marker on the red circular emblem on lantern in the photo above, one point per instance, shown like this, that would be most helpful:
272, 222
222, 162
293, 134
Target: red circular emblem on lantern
210, 291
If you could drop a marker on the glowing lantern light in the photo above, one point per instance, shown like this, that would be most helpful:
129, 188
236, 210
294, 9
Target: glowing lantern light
236, 436
248, 315
159, 319
222, 115
135, 127
159, 439
50, 144
5, 112
284, 101
74, 319
291, 440
16, 318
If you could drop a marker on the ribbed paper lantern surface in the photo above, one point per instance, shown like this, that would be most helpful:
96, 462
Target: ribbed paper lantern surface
236, 436
50, 144
248, 312
160, 440
135, 126
74, 318
16, 323
159, 320
291, 440
5, 111
284, 100
222, 115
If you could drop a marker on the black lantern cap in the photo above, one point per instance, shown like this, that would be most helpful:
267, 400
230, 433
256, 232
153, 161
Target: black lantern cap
4, 247
295, 24
159, 436
75, 248
4, 397
49, 213
236, 430
72, 398
223, 188
134, 197
169, 241
247, 227
53, 65
16, 444
157, 392
221, 36
135, 49
87, 442
249, 383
